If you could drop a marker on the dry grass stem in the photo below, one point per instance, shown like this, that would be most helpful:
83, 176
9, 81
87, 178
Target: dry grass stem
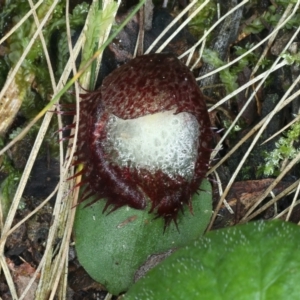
220, 188
220, 20
53, 268
189, 18
200, 54
286, 15
27, 49
286, 192
281, 130
180, 15
281, 214
293, 203
14, 28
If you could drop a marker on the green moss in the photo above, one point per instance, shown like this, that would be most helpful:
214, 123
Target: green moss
9, 184
227, 77
204, 19
285, 149
3, 72
35, 62
246, 172
271, 18
32, 80
292, 58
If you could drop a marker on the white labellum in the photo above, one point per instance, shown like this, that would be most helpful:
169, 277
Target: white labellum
159, 141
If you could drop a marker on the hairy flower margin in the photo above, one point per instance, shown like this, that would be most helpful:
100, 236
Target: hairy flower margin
146, 87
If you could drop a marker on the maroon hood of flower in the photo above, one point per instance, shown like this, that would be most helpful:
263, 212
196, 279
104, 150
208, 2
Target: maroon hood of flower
146, 85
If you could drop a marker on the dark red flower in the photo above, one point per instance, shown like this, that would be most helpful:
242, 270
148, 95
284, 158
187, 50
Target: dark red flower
144, 137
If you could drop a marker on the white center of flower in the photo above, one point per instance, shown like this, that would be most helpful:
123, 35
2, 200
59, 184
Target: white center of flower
160, 141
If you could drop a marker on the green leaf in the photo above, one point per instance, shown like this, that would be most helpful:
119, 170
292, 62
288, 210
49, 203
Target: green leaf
112, 247
259, 260
99, 21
